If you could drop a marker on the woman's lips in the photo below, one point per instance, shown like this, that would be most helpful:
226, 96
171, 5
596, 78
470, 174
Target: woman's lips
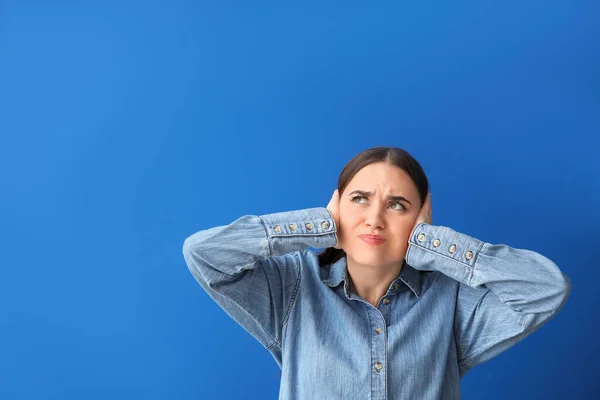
372, 240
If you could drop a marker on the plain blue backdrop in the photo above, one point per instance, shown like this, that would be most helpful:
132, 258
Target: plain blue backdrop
126, 126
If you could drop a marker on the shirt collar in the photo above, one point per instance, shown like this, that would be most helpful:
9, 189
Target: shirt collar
338, 272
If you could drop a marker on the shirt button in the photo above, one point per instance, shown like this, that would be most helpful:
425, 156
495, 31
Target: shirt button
436, 242
293, 227
421, 237
386, 301
378, 330
395, 285
325, 224
309, 226
469, 255
452, 248
378, 366
277, 228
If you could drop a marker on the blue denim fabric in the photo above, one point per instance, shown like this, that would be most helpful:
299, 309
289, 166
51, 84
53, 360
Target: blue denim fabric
445, 313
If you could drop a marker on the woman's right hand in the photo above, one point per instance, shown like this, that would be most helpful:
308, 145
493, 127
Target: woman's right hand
334, 210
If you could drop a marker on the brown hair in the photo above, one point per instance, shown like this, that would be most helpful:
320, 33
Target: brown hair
391, 155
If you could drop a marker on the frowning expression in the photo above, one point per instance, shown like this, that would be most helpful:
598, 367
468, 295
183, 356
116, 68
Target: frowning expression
383, 201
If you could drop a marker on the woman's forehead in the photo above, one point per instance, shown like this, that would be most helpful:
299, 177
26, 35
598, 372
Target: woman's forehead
384, 180
377, 175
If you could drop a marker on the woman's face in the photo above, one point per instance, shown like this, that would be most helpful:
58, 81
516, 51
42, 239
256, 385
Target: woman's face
366, 208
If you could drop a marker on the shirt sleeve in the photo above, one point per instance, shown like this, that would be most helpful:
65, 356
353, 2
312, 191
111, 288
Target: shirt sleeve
504, 293
251, 267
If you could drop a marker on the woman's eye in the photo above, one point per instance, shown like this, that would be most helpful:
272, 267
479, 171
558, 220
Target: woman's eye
400, 204
356, 198
401, 207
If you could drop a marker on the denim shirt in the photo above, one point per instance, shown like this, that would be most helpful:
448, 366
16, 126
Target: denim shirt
457, 302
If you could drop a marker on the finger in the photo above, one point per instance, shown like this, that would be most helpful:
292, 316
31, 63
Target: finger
426, 202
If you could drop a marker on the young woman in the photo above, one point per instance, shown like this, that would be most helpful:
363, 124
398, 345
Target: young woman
393, 308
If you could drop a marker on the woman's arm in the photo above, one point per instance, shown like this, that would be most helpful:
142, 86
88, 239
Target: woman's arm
251, 267
504, 293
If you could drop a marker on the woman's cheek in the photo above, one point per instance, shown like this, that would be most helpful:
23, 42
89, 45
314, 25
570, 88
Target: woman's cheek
340, 232
345, 232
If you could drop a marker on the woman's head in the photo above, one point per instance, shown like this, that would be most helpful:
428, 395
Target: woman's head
381, 192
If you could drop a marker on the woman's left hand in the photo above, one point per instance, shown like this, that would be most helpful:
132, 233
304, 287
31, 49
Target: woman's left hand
424, 216
424, 213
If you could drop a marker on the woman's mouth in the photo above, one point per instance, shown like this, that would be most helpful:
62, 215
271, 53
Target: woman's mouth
373, 240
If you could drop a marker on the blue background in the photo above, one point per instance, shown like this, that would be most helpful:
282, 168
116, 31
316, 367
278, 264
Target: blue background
128, 125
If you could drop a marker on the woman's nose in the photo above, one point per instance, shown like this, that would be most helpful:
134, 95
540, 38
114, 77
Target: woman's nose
374, 218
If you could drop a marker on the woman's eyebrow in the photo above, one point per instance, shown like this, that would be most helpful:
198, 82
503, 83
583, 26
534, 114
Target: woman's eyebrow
394, 198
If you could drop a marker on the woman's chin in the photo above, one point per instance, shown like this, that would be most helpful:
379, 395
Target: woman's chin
367, 259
